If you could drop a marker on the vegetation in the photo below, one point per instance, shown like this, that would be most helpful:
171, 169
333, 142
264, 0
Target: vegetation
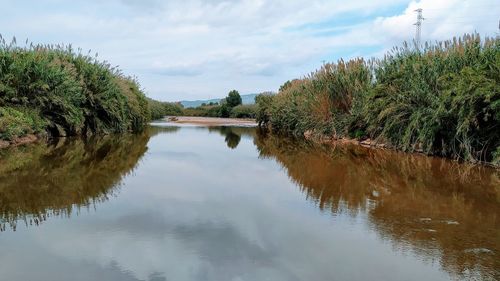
244, 111
443, 99
53, 90
19, 122
160, 109
231, 106
233, 99
203, 110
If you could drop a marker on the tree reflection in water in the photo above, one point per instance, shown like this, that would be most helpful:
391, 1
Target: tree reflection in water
232, 135
43, 180
433, 207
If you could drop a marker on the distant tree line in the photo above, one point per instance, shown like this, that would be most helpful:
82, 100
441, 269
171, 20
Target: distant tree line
231, 106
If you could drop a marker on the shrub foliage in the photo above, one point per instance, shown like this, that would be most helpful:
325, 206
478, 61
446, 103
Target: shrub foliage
442, 99
160, 109
231, 106
53, 89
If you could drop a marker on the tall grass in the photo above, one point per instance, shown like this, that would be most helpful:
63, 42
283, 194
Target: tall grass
323, 101
65, 92
443, 99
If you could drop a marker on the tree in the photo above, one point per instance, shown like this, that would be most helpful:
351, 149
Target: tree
233, 99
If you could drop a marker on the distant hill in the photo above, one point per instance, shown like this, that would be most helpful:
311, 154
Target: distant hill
246, 99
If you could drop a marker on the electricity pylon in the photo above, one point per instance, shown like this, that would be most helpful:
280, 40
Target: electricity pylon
418, 34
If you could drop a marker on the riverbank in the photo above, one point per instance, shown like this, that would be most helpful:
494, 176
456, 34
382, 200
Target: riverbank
19, 141
441, 100
53, 91
211, 121
377, 145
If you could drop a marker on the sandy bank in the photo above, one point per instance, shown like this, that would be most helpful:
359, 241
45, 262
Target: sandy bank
212, 121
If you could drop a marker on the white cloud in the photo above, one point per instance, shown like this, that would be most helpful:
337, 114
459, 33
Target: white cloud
199, 49
443, 19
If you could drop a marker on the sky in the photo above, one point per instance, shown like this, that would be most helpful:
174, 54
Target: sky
194, 49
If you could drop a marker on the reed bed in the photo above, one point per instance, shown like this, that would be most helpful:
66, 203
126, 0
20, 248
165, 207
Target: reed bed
57, 91
441, 99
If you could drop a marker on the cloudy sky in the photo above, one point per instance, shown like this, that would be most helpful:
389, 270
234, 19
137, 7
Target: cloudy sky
194, 49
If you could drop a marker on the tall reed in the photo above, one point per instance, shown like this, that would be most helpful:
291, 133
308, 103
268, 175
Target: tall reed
443, 99
65, 92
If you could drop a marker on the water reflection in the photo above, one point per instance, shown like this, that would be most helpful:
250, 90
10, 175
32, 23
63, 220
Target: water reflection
232, 135
213, 204
43, 180
426, 205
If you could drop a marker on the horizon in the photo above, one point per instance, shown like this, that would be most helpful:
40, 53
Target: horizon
200, 50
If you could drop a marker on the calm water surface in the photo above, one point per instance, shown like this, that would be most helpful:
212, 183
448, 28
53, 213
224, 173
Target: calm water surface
193, 203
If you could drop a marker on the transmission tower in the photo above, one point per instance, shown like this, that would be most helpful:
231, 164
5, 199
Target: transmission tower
418, 24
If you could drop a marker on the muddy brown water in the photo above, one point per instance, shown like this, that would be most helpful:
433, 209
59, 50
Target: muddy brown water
231, 203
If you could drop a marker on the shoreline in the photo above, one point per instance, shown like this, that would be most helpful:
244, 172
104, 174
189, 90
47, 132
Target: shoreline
373, 144
237, 122
28, 139
211, 121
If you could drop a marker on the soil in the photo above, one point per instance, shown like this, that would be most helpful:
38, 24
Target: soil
18, 141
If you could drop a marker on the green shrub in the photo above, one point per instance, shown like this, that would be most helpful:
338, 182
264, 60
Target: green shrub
229, 107
160, 109
264, 102
224, 110
244, 111
322, 101
16, 123
71, 93
443, 99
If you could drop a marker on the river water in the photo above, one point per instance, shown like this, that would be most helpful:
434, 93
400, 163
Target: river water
229, 203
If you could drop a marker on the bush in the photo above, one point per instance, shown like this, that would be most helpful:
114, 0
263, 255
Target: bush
264, 102
230, 107
160, 109
15, 123
70, 93
322, 101
443, 99
244, 111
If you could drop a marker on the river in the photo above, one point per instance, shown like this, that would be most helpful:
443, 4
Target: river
182, 202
